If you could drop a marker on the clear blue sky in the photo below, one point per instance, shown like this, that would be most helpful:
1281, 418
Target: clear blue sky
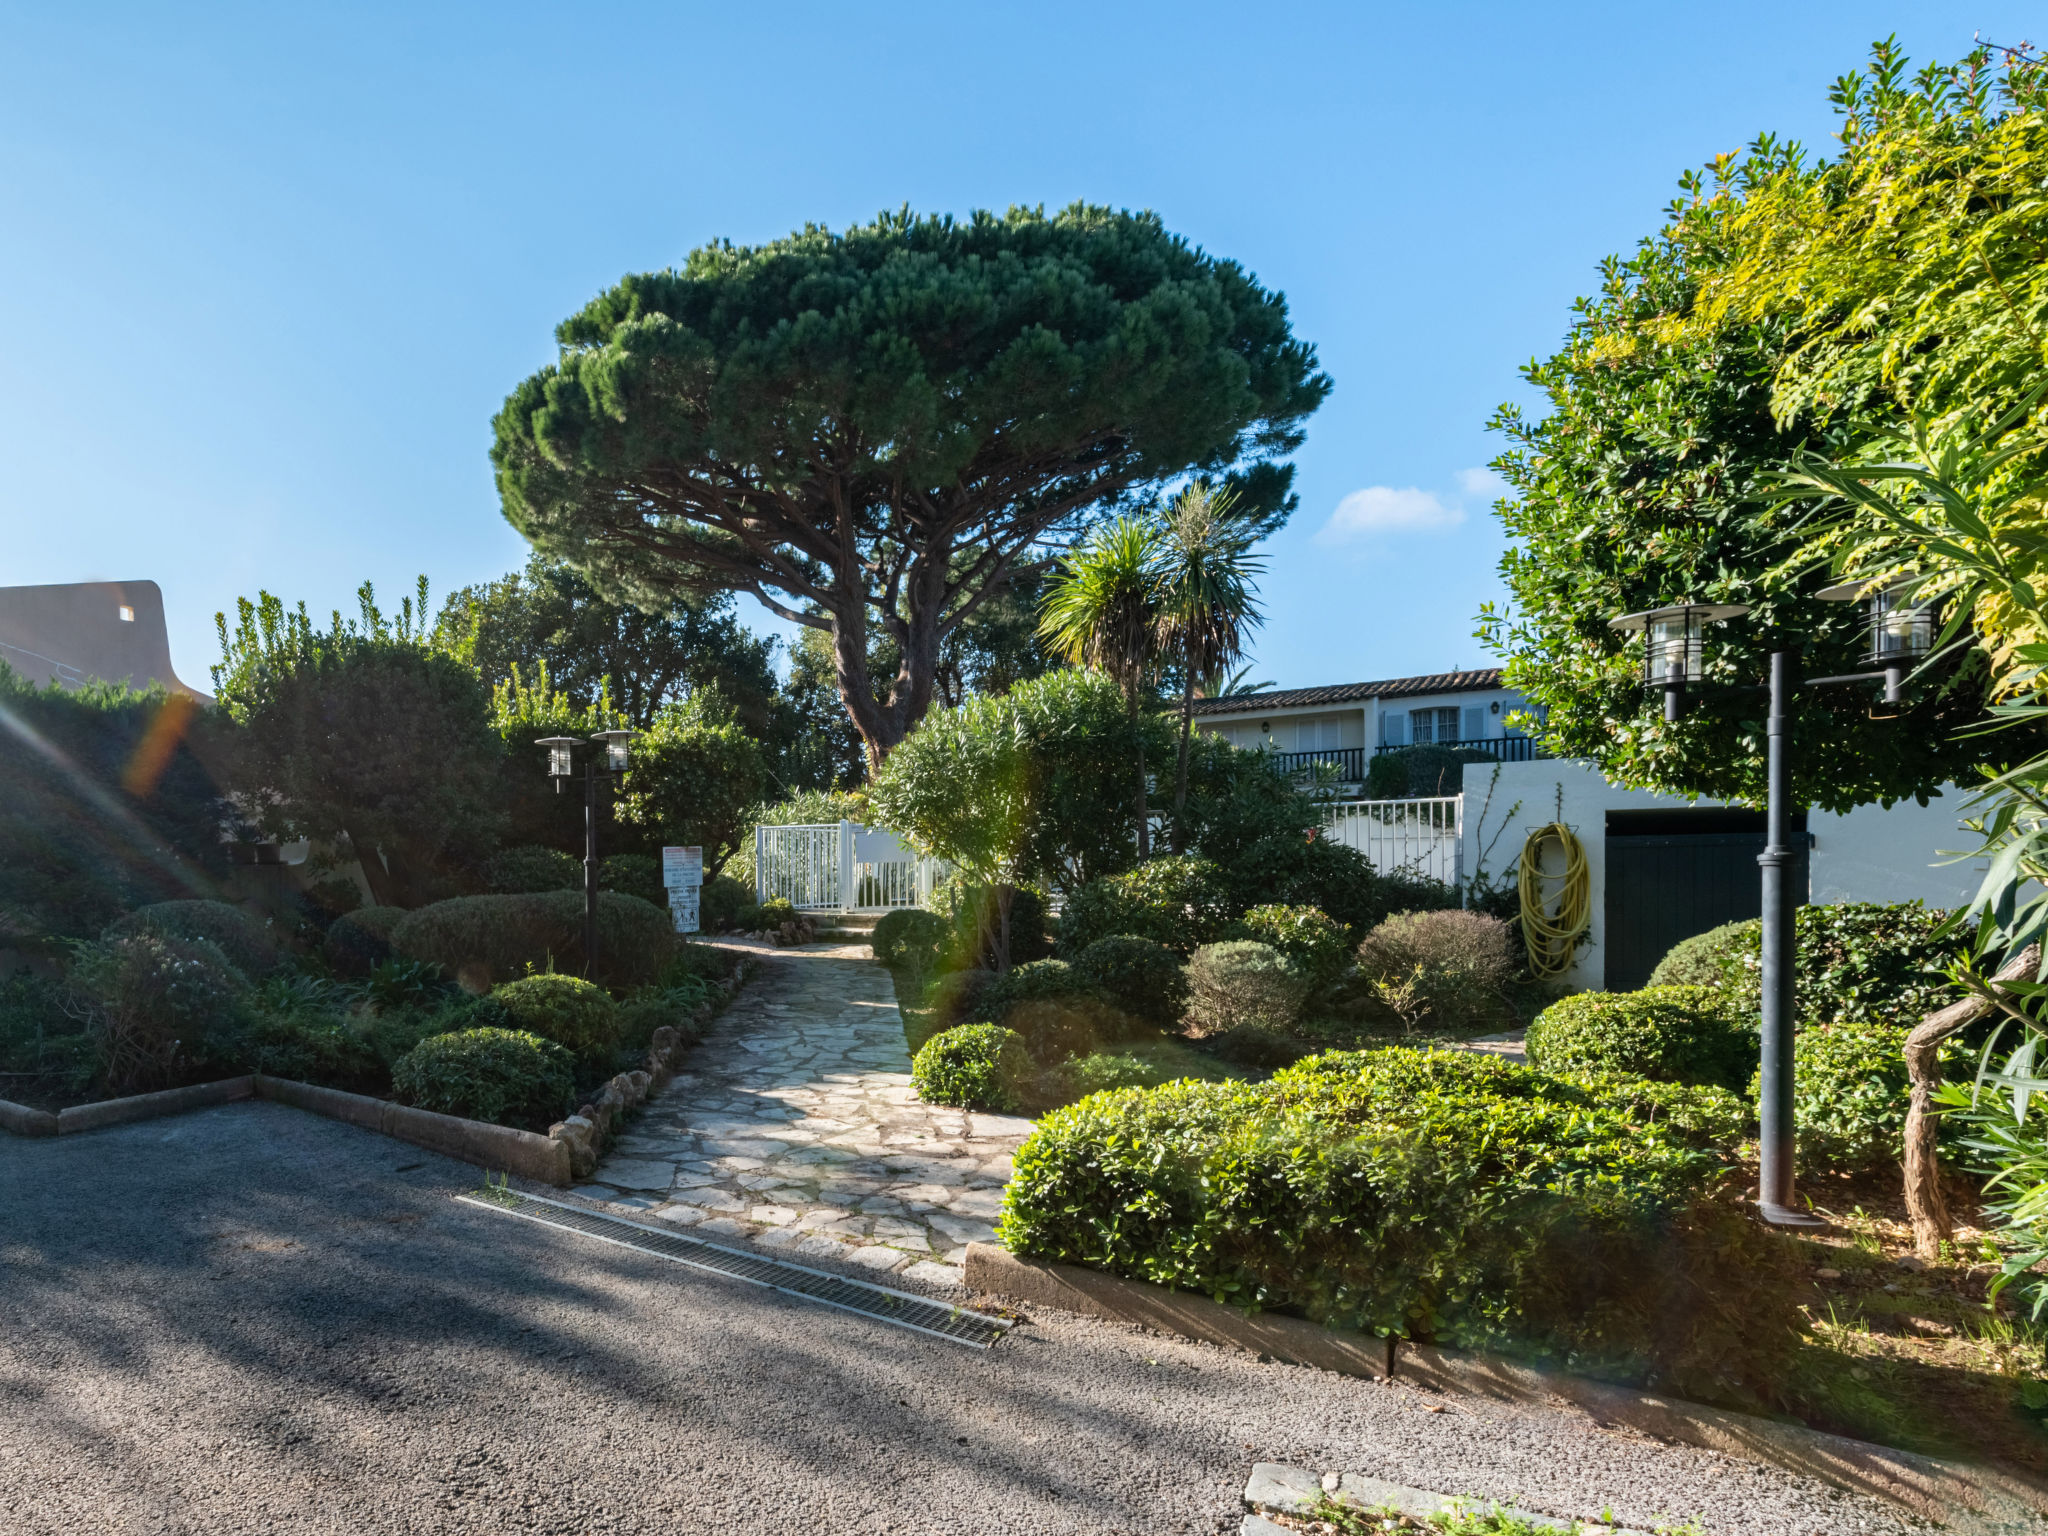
266, 272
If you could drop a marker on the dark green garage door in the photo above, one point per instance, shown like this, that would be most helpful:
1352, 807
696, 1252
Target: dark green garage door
1670, 875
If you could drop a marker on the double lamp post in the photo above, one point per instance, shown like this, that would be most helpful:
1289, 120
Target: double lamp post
1901, 634
606, 761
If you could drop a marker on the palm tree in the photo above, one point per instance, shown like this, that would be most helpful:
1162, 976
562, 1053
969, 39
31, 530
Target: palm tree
1204, 569
1101, 611
1230, 685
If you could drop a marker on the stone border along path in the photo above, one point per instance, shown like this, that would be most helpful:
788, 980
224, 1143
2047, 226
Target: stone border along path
793, 1124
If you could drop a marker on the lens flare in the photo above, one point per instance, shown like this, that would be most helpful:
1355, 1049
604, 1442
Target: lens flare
153, 753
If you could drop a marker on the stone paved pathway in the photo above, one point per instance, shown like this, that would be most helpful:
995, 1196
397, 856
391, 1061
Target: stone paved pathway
795, 1127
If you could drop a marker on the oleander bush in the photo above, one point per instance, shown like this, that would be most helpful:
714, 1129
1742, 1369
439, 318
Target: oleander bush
1144, 979
506, 1076
1445, 969
484, 940
246, 941
359, 941
568, 1010
1317, 946
1671, 1034
1242, 982
1181, 902
974, 1066
1593, 1221
1857, 961
911, 940
522, 871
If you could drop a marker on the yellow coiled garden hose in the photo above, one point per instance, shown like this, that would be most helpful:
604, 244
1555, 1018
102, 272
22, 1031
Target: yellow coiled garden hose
1552, 933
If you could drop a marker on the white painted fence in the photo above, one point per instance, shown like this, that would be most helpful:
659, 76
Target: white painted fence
1423, 837
841, 868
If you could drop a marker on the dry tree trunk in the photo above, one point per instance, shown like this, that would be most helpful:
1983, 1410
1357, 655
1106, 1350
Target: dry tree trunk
1924, 1202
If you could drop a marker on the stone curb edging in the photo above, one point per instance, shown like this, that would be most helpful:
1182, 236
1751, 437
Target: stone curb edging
1289, 1490
497, 1147
1965, 1498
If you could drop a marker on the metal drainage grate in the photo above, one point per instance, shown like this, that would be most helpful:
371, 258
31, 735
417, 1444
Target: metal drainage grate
977, 1330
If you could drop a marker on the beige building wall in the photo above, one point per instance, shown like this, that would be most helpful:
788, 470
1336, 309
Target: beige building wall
69, 633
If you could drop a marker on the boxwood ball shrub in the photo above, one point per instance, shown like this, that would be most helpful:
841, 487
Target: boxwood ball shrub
910, 939
360, 941
976, 1066
1318, 947
1242, 982
1146, 980
245, 940
565, 1009
499, 938
1182, 902
1591, 1221
503, 1075
1671, 1034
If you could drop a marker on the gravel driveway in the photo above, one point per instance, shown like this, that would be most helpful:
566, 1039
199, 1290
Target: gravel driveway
252, 1320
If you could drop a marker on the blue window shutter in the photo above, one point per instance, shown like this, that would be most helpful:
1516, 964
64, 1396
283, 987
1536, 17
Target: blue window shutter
1475, 723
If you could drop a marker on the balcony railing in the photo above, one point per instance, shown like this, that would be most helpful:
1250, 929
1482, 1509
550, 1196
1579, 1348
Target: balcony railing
1502, 749
1348, 761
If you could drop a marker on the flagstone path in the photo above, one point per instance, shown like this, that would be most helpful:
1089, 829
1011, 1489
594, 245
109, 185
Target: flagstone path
795, 1127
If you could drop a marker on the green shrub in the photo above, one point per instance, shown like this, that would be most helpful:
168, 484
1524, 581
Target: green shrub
1317, 871
1055, 1010
1440, 1196
958, 996
1181, 902
1860, 961
1850, 1093
1144, 979
1108, 1070
971, 916
1259, 1047
1317, 947
774, 912
500, 1075
565, 1009
720, 901
245, 940
633, 874
1039, 981
976, 1066
1243, 982
680, 1007
522, 871
488, 939
361, 940
1671, 1034
1447, 969
42, 1046
701, 962
151, 1001
910, 940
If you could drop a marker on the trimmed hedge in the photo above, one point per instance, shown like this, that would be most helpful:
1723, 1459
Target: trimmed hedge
1181, 902
977, 1066
360, 941
910, 939
488, 939
1441, 1196
1668, 1034
1242, 982
245, 940
565, 1009
524, 870
1144, 979
1850, 1093
500, 1075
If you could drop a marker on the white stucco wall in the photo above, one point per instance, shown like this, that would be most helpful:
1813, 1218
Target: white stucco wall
1870, 854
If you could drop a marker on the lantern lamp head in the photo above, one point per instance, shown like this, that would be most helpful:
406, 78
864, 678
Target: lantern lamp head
1901, 628
614, 748
1674, 642
561, 754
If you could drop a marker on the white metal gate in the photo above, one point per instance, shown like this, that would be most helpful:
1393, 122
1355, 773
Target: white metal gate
1422, 837
841, 868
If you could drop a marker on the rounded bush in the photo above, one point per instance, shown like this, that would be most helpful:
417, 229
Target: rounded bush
1318, 947
1243, 982
485, 939
775, 911
1040, 981
360, 940
154, 1000
633, 874
522, 871
910, 939
976, 1066
1668, 1034
1144, 979
501, 1075
1181, 902
958, 996
1339, 880
720, 901
1447, 969
1850, 1093
1710, 959
565, 1009
245, 940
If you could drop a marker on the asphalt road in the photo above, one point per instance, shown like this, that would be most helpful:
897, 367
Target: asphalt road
253, 1320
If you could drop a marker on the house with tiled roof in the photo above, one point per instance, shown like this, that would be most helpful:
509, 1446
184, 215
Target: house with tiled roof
1345, 724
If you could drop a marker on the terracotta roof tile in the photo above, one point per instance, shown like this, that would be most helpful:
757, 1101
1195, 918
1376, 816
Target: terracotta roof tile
1345, 693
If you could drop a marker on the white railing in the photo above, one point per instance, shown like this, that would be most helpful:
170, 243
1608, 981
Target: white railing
1421, 837
841, 868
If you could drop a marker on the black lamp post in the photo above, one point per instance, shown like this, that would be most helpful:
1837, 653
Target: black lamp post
607, 762
1901, 633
